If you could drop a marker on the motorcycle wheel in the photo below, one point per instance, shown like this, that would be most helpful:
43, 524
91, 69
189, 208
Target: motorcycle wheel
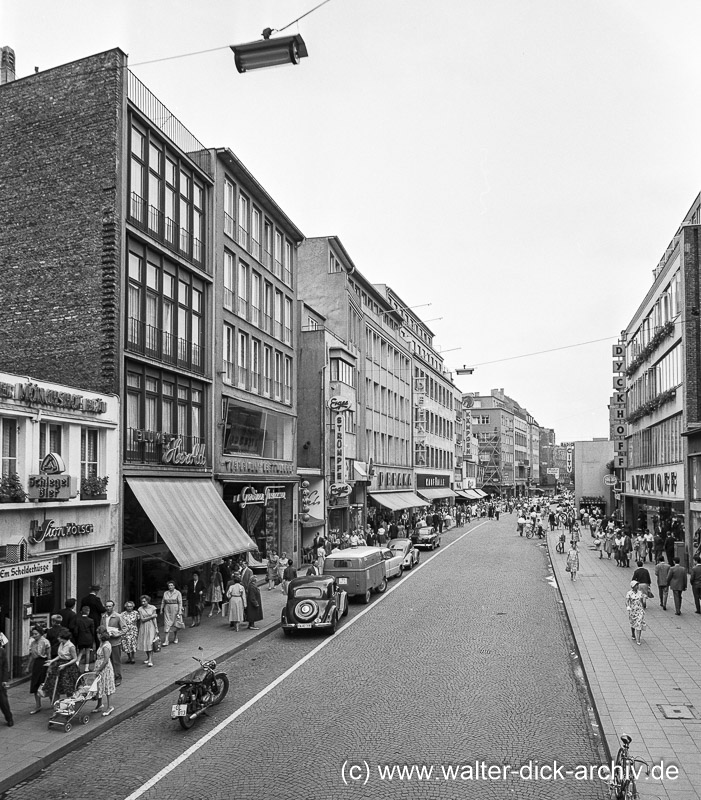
219, 688
185, 722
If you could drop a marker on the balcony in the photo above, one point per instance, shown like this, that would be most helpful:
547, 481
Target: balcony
146, 340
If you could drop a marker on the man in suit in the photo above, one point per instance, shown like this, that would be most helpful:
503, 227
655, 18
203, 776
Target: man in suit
195, 598
677, 583
93, 602
662, 572
69, 616
114, 624
4, 682
696, 583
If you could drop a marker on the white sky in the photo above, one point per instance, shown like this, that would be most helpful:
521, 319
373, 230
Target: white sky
521, 165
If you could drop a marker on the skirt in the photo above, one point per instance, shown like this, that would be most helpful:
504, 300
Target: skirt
38, 674
64, 680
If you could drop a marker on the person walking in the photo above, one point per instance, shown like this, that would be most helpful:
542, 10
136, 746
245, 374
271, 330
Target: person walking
148, 628
172, 610
130, 631
236, 596
39, 654
114, 625
618, 543
282, 563
639, 547
695, 581
669, 547
627, 548
642, 577
662, 574
215, 591
84, 636
196, 591
254, 608
95, 607
271, 571
636, 611
573, 561
4, 684
649, 544
677, 584
69, 617
289, 574
63, 670
520, 524
609, 542
321, 556
105, 674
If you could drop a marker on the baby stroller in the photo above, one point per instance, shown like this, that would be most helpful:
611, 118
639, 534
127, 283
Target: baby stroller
72, 709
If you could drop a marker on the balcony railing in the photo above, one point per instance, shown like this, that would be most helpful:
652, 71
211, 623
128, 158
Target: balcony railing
150, 341
149, 447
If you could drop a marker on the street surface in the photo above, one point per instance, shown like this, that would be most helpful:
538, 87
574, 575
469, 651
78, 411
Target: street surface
464, 665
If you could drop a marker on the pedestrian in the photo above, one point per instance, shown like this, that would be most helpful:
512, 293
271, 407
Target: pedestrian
196, 591
599, 541
573, 561
215, 591
289, 574
636, 611
95, 607
609, 542
69, 616
677, 584
130, 631
225, 570
639, 548
148, 628
658, 545
39, 654
254, 607
618, 543
53, 633
271, 571
321, 556
112, 622
246, 575
282, 563
642, 577
172, 610
4, 684
662, 573
236, 596
520, 524
695, 581
85, 636
627, 548
649, 544
381, 536
551, 520
669, 547
105, 673
63, 670
497, 511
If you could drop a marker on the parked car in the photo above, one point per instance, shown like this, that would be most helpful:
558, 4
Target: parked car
394, 566
314, 602
405, 548
428, 537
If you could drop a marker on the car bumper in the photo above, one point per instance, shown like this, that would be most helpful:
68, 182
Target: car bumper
306, 626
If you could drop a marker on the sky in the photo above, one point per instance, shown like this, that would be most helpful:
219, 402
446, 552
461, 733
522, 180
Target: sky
519, 165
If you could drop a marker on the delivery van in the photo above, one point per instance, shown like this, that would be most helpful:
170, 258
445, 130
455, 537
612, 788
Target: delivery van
359, 571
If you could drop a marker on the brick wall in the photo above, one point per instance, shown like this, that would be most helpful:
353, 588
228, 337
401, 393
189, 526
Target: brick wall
60, 222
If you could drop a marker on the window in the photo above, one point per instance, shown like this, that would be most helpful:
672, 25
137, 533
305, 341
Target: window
277, 264
89, 438
334, 263
342, 371
268, 308
171, 193
255, 365
287, 264
243, 360
253, 431
244, 207
288, 380
50, 437
155, 189
184, 215
228, 366
229, 273
197, 221
277, 385
9, 430
288, 321
255, 233
255, 298
277, 333
267, 367
229, 207
138, 174
243, 291
312, 324
268, 245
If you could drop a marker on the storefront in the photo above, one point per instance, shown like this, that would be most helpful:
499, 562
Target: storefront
654, 497
59, 519
394, 507
436, 489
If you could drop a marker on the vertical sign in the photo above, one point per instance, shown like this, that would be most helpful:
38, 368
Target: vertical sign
419, 421
339, 473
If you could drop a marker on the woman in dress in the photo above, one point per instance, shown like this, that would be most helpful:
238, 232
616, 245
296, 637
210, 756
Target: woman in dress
130, 631
39, 654
618, 548
236, 595
172, 610
63, 670
148, 628
636, 611
272, 569
215, 591
282, 563
573, 561
608, 541
105, 673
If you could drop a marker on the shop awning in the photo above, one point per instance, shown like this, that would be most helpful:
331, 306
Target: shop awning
480, 494
312, 522
437, 493
468, 494
398, 501
191, 518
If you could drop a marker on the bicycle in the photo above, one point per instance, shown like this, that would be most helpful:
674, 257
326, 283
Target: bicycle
622, 784
530, 530
560, 546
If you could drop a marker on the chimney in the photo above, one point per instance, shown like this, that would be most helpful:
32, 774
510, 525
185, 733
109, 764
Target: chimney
7, 65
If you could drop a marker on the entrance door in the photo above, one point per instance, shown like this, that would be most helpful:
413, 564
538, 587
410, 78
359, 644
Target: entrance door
93, 569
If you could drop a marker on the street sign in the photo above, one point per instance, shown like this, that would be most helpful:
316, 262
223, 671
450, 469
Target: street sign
610, 480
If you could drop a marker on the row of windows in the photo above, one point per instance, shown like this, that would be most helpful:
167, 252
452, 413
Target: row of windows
256, 300
250, 228
667, 307
256, 367
382, 352
434, 389
659, 444
386, 401
166, 197
343, 371
433, 457
433, 423
165, 310
665, 375
386, 449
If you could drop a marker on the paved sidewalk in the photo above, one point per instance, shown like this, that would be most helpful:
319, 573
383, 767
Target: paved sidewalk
629, 683
30, 746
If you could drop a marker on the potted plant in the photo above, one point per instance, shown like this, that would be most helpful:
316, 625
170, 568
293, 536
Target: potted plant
11, 489
93, 488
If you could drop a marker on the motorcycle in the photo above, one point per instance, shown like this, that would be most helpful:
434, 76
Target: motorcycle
202, 690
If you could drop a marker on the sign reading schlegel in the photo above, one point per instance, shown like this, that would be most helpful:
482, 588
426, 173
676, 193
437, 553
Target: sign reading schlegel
11, 572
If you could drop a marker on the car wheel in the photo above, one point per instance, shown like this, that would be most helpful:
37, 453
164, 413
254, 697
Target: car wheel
366, 597
401, 571
382, 588
334, 624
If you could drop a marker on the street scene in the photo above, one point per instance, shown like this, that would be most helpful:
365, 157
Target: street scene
350, 430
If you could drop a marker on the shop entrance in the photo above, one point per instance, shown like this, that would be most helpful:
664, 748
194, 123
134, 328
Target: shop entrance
93, 568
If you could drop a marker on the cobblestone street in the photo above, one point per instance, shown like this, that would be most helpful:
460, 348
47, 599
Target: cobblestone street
466, 660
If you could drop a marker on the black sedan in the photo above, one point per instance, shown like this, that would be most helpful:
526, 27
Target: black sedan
314, 602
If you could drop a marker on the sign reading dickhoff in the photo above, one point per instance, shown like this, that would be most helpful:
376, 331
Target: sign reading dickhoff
26, 569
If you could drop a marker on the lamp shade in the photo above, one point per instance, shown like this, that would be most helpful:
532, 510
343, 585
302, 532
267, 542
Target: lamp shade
269, 52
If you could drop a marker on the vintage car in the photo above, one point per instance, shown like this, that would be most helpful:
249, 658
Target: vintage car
404, 548
394, 566
428, 537
314, 602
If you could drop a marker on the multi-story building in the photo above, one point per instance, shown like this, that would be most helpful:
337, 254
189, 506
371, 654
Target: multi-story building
107, 249
255, 333
493, 425
548, 474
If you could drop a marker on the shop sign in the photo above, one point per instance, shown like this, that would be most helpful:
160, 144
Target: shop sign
424, 481
339, 404
175, 454
37, 395
617, 414
52, 487
250, 496
248, 465
618, 430
618, 399
339, 450
10, 572
618, 351
654, 483
340, 489
41, 531
619, 383
553, 471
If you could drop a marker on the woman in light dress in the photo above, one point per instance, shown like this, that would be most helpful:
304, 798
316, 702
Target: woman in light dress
214, 593
636, 611
172, 610
130, 631
573, 561
272, 569
236, 595
148, 628
39, 654
105, 674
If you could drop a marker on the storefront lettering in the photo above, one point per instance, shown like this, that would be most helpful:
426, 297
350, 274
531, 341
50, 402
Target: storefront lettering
427, 481
174, 454
236, 466
339, 448
655, 483
339, 404
11, 572
249, 495
34, 394
41, 531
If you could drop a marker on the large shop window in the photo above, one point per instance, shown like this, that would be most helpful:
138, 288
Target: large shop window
161, 407
165, 310
252, 431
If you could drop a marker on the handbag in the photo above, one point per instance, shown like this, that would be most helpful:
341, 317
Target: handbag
157, 644
179, 624
568, 568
